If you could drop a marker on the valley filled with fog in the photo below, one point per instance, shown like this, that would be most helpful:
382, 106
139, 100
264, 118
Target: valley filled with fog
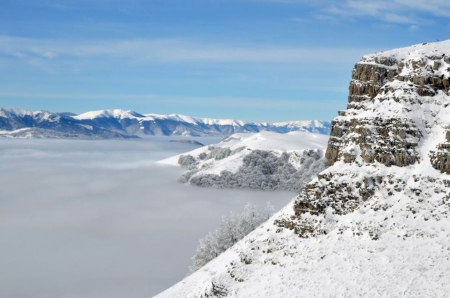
101, 219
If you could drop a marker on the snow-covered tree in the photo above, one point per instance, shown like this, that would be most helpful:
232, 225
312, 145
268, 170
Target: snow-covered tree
233, 228
262, 170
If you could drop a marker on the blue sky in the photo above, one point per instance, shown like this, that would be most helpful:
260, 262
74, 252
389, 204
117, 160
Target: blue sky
256, 60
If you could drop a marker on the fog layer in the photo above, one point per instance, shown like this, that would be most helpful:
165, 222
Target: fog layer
100, 219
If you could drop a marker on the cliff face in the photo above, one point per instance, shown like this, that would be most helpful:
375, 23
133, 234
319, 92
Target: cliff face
397, 115
380, 212
402, 80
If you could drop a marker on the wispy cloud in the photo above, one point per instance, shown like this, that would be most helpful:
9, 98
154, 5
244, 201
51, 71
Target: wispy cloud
408, 12
214, 101
435, 7
91, 219
56, 55
393, 12
171, 50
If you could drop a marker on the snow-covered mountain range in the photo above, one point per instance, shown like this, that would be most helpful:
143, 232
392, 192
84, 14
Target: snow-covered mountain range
125, 124
376, 223
262, 161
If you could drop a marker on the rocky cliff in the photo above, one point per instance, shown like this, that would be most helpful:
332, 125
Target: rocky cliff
376, 222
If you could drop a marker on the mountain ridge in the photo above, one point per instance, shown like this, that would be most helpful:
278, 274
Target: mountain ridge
116, 123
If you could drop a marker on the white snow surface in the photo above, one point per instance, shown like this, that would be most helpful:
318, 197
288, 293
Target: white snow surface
395, 244
122, 114
314, 123
12, 133
197, 120
414, 52
8, 112
112, 113
276, 143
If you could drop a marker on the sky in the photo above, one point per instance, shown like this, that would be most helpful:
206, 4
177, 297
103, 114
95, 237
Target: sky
101, 220
254, 60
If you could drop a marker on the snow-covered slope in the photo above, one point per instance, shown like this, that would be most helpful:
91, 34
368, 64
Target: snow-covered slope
122, 124
120, 114
376, 222
267, 141
264, 161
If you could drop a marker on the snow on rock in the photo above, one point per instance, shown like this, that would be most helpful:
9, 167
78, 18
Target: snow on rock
263, 161
376, 222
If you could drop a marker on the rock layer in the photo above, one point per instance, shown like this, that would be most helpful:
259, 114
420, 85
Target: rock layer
390, 140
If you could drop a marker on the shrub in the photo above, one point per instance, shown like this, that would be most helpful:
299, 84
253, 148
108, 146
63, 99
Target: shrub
233, 228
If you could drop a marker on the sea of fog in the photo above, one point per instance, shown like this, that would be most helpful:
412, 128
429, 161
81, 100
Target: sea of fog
101, 219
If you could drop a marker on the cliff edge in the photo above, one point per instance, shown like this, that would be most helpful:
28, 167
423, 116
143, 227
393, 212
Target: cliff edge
376, 222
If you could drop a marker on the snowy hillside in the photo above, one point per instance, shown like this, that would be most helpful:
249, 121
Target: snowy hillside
125, 124
376, 222
264, 161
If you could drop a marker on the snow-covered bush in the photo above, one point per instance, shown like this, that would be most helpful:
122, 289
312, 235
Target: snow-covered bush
233, 228
220, 153
187, 161
184, 178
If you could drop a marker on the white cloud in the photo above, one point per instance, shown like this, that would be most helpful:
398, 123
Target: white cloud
166, 50
99, 219
399, 19
68, 56
220, 101
435, 7
367, 8
384, 11
390, 11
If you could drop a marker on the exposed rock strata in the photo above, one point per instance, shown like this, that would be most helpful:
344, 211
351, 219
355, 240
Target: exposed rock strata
388, 140
440, 158
394, 102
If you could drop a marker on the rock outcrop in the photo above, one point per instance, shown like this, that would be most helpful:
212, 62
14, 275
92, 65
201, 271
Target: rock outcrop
398, 102
440, 158
401, 80
380, 212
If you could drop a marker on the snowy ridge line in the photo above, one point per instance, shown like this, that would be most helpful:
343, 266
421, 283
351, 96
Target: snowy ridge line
116, 123
413, 52
122, 114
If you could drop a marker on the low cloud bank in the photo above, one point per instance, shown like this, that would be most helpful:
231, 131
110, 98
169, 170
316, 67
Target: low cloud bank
100, 219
